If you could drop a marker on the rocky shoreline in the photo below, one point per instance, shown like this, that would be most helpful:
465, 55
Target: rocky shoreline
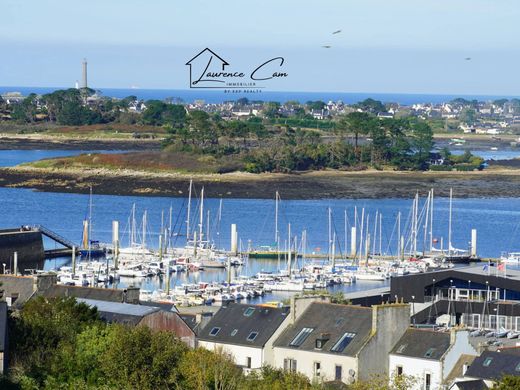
309, 185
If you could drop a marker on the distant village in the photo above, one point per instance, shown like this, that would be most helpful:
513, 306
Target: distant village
459, 115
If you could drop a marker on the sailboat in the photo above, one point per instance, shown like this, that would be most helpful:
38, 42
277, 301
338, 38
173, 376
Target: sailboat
90, 248
455, 255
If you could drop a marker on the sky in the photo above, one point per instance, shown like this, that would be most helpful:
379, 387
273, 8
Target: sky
385, 46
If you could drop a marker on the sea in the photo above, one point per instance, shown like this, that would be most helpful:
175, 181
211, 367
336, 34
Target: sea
219, 96
497, 221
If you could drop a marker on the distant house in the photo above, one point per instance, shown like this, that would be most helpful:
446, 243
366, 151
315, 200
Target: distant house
246, 332
429, 356
143, 315
435, 159
492, 365
341, 343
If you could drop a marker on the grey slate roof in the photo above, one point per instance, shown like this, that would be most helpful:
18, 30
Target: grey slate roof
502, 363
423, 344
22, 286
334, 321
477, 384
125, 313
105, 294
264, 320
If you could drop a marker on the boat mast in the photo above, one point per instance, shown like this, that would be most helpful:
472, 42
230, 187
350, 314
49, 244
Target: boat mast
399, 235
416, 206
449, 223
375, 233
362, 233
289, 251
219, 220
207, 226
132, 233
143, 241
89, 221
346, 234
426, 221
330, 231
276, 237
431, 221
380, 234
188, 216
201, 219
170, 227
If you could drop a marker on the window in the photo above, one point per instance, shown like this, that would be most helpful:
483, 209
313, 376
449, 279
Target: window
249, 311
343, 342
399, 370
252, 336
317, 368
234, 332
301, 337
289, 365
338, 372
401, 348
429, 352
248, 362
487, 362
214, 331
427, 381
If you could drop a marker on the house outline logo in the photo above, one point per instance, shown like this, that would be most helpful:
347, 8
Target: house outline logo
212, 56
208, 71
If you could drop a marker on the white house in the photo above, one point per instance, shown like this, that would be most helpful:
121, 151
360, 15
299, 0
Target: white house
429, 356
246, 332
331, 342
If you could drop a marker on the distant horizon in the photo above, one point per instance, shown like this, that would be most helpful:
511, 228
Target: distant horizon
246, 94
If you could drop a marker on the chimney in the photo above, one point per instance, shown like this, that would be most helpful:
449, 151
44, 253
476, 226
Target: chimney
202, 319
42, 282
131, 295
300, 304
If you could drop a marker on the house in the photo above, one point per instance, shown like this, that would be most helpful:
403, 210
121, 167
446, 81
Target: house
3, 337
331, 342
246, 332
429, 356
143, 315
492, 365
435, 159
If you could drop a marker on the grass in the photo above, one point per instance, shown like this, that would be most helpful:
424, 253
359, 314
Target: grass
178, 162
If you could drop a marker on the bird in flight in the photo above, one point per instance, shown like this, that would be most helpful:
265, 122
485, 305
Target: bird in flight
336, 32
327, 46
467, 58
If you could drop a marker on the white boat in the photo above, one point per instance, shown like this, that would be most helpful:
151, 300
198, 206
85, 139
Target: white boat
512, 334
510, 258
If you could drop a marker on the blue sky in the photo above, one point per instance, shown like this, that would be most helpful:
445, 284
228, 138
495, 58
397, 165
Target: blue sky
395, 46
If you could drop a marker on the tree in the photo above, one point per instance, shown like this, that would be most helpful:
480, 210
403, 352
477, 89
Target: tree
271, 109
508, 382
315, 105
202, 369
357, 123
136, 358
371, 105
44, 326
422, 143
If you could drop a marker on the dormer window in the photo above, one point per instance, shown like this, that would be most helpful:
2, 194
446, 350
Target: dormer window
320, 341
